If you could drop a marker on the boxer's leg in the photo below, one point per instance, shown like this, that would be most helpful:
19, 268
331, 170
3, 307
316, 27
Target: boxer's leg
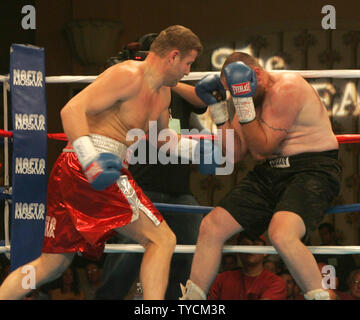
215, 229
159, 243
285, 232
48, 267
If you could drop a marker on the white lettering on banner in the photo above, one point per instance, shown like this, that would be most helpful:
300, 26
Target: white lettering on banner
50, 225
27, 78
30, 121
30, 166
29, 211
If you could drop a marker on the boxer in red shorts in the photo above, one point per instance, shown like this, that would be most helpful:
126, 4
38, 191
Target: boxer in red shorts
82, 226
91, 194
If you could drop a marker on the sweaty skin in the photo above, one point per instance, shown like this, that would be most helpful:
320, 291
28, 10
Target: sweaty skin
291, 119
307, 127
125, 96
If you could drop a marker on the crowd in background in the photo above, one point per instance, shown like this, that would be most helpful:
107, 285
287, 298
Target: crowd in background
270, 278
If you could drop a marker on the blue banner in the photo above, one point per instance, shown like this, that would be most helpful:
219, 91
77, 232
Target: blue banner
29, 178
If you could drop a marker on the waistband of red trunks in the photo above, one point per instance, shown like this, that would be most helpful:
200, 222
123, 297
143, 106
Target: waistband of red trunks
106, 144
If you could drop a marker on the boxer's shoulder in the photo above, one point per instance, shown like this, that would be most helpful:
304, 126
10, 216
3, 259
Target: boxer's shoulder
289, 85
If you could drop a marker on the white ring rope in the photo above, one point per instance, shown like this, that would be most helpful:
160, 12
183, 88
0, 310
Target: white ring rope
136, 248
345, 73
115, 248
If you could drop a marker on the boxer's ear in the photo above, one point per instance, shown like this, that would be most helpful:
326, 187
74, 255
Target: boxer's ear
259, 74
223, 82
173, 55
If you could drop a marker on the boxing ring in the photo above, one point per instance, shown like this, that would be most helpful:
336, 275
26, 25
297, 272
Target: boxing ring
21, 141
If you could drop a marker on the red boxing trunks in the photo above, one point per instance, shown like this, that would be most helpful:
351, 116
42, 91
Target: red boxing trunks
81, 219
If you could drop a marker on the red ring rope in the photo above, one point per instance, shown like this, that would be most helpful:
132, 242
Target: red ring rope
342, 138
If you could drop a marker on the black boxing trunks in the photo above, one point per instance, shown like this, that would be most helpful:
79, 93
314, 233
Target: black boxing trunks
305, 184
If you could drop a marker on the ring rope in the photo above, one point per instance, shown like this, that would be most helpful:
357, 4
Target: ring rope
136, 248
342, 73
342, 138
203, 209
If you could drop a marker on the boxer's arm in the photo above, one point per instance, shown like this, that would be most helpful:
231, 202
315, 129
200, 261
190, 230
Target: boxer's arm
187, 92
115, 84
166, 134
238, 150
203, 152
271, 126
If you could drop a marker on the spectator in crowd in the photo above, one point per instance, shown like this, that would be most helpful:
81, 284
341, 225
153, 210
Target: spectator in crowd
92, 281
290, 285
251, 282
69, 288
270, 265
273, 264
229, 262
354, 284
343, 264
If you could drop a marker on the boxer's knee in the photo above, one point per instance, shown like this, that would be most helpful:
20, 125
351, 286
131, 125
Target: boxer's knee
285, 228
164, 238
211, 226
168, 239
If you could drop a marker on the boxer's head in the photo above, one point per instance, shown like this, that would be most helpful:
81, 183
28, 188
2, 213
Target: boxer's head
252, 63
179, 46
176, 37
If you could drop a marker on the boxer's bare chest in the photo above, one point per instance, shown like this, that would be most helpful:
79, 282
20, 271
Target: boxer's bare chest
135, 113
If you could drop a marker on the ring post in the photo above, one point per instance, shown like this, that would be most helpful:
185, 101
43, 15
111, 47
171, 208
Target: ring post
29, 179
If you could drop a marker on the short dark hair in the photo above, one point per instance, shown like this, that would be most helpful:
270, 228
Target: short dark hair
243, 235
176, 37
249, 60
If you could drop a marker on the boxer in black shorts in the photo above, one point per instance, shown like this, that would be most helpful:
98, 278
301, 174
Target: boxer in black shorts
304, 184
281, 121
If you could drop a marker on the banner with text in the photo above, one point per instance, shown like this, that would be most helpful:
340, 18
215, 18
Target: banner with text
29, 179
